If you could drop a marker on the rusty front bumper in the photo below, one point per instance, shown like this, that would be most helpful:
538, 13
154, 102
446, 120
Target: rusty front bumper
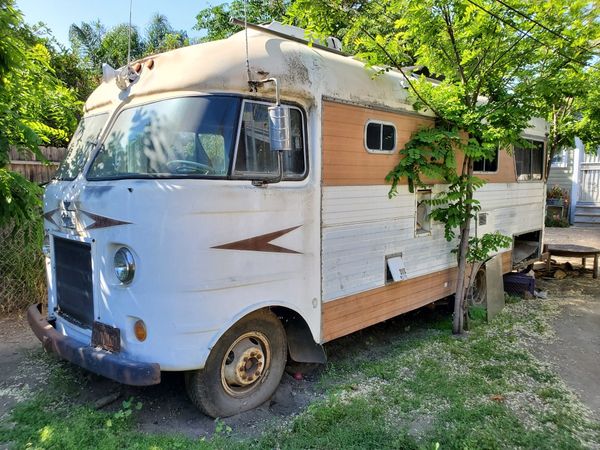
110, 365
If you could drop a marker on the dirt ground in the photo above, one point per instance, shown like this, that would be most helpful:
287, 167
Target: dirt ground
576, 351
575, 354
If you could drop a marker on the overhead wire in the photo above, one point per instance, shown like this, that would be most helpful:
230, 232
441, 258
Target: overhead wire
541, 25
530, 36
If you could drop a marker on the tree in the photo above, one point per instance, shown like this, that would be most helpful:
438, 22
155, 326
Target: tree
216, 20
114, 46
96, 45
35, 108
160, 36
496, 66
86, 42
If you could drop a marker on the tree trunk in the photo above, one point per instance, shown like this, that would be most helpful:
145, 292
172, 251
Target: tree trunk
463, 246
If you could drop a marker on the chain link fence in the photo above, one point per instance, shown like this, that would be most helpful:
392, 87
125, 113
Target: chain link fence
22, 271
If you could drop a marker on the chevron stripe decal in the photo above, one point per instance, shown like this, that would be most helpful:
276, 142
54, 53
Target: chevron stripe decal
261, 243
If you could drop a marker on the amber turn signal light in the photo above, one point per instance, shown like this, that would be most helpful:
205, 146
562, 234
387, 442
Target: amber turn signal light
139, 328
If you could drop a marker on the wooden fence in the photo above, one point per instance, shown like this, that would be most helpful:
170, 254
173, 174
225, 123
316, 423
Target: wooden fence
26, 164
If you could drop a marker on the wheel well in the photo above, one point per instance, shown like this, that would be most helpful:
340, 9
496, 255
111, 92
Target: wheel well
301, 344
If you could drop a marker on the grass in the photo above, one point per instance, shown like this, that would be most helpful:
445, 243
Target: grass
421, 388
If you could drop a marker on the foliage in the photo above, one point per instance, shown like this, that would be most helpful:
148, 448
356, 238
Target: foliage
430, 153
160, 36
216, 20
566, 88
86, 42
559, 222
35, 108
557, 192
94, 45
481, 248
492, 67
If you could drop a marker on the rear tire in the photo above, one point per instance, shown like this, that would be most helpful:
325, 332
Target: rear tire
478, 295
243, 369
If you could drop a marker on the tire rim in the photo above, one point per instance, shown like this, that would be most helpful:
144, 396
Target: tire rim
245, 364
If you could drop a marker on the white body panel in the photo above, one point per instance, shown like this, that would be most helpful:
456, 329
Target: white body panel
187, 292
361, 226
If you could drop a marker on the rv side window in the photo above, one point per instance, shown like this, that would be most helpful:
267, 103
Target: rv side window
529, 160
380, 137
254, 158
487, 165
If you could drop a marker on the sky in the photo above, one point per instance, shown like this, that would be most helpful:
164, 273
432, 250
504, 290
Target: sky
60, 14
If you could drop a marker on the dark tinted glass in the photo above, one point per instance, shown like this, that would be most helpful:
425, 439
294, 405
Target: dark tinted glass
486, 165
374, 136
389, 138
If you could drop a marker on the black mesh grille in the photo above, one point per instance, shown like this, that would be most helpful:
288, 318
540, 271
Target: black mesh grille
73, 264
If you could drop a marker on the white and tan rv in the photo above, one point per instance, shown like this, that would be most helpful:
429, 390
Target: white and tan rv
206, 224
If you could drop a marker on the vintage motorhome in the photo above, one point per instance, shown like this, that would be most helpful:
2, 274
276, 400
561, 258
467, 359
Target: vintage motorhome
177, 242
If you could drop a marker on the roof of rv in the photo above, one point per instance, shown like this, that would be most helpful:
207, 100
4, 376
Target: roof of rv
303, 72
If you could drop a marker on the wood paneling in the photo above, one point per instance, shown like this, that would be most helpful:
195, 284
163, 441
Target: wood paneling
507, 263
346, 161
355, 312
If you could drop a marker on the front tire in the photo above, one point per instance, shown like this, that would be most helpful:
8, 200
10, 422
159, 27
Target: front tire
243, 369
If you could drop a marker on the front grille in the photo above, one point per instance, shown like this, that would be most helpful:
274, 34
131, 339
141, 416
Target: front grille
73, 262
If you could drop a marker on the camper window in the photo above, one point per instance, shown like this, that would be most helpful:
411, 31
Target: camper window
180, 137
529, 160
254, 158
487, 165
380, 137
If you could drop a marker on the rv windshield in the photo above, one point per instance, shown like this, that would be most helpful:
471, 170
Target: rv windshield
180, 137
82, 143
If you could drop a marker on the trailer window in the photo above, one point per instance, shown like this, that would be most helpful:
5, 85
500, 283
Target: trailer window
486, 165
254, 158
380, 137
181, 137
529, 160
83, 142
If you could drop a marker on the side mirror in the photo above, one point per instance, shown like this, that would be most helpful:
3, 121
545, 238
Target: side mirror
280, 128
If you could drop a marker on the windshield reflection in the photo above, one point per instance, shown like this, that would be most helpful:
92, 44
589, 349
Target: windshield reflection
190, 136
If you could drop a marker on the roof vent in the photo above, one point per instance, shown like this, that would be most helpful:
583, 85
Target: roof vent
300, 33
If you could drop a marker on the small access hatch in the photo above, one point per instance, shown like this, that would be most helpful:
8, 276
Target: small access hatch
396, 270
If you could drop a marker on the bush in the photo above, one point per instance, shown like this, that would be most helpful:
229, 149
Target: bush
557, 222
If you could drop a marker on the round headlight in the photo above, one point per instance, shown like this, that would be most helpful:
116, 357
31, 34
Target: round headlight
124, 265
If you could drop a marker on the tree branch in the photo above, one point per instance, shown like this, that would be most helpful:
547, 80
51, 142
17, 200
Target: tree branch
399, 67
450, 31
